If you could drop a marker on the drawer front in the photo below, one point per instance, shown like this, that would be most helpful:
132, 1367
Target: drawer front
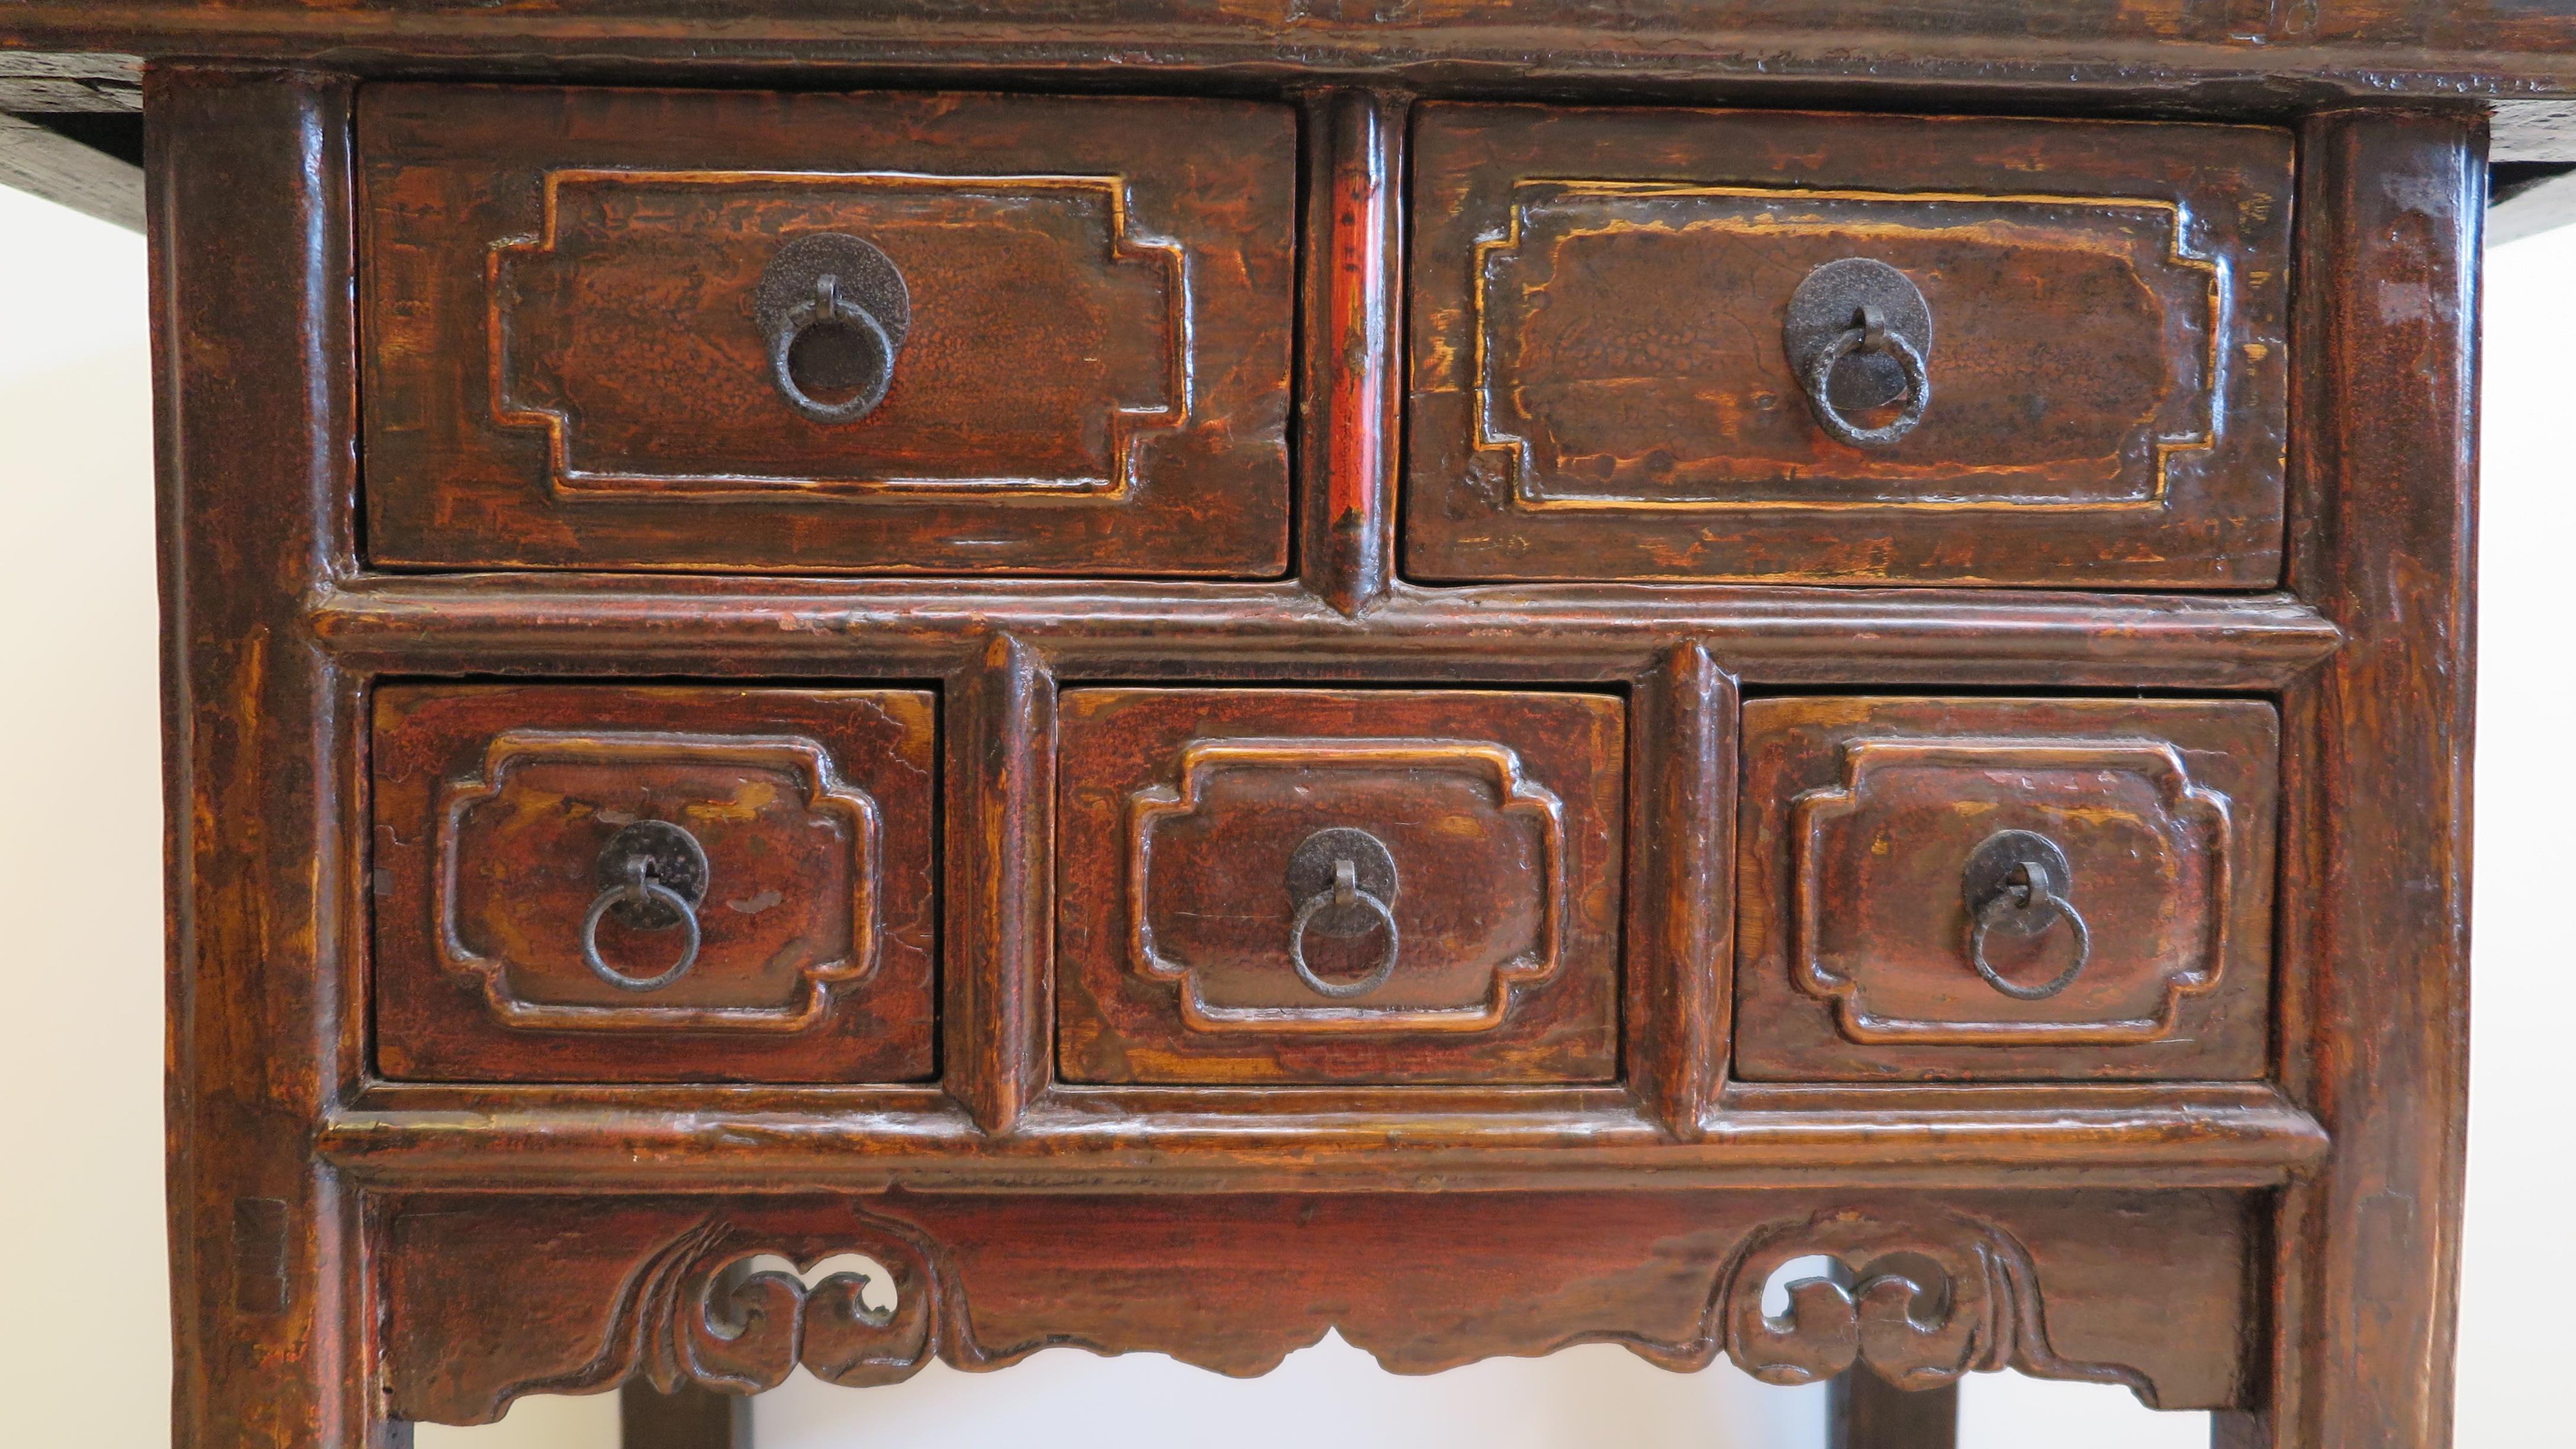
875, 333
583, 883
1309, 886
2005, 889
1621, 320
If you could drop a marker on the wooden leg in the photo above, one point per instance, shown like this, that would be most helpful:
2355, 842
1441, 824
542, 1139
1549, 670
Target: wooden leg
693, 1418
1867, 1412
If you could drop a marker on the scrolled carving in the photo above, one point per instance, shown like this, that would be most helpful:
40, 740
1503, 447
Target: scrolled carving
486, 1298
1930, 1299
694, 1313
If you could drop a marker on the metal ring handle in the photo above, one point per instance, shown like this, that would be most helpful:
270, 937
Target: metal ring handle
828, 306
1868, 334
2033, 892
1345, 891
639, 887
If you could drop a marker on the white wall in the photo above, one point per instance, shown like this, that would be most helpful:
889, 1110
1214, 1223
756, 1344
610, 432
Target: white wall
80, 990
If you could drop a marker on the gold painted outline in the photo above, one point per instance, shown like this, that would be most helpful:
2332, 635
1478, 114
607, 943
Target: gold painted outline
1128, 426
1490, 438
826, 793
2159, 762
1515, 793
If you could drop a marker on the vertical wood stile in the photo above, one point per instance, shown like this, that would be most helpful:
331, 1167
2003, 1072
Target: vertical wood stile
1349, 426
1682, 930
1001, 772
249, 202
2374, 955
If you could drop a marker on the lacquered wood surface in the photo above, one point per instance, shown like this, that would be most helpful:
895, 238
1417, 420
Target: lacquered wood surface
565, 368
2238, 55
1861, 818
1498, 816
814, 957
1600, 386
348, 1247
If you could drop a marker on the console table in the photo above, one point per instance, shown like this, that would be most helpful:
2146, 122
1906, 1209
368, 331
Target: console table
1471, 671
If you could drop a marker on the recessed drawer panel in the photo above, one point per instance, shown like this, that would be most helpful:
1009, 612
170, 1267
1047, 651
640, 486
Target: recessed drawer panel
584, 883
2005, 889
1339, 887
868, 333
1797, 347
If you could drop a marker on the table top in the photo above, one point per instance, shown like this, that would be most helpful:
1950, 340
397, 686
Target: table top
2179, 53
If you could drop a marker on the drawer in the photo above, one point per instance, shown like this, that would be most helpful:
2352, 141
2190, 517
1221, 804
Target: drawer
2005, 889
597, 884
1314, 886
1640, 349
613, 329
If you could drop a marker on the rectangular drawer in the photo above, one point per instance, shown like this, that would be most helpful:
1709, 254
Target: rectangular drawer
1402, 886
2005, 889
583, 311
1609, 374
795, 826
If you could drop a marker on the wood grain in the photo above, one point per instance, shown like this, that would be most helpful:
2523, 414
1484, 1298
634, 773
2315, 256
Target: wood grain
2231, 56
564, 369
255, 390
581, 1294
2375, 942
1501, 815
818, 938
1599, 388
1860, 817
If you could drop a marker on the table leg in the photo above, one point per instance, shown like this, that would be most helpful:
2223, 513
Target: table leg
1867, 1412
693, 1418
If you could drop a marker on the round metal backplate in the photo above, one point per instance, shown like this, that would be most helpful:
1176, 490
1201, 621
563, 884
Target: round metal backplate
673, 860
1825, 306
1990, 874
1310, 874
864, 277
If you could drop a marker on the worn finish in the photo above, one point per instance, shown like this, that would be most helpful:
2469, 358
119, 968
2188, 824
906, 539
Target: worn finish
567, 364
640, 1286
2253, 1211
1186, 929
2235, 55
817, 930
2377, 789
1867, 823
1601, 387
255, 392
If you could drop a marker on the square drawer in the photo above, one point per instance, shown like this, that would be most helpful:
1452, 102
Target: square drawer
583, 883
613, 329
2004, 890
1618, 315
1322, 886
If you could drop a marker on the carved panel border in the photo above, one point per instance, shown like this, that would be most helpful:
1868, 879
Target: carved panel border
826, 792
1493, 435
2205, 811
1130, 428
1515, 794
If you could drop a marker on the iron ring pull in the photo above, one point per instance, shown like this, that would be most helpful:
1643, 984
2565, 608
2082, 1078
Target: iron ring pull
2026, 889
1344, 892
1868, 333
639, 888
828, 306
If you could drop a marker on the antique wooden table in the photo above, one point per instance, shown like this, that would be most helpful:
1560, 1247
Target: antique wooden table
1467, 670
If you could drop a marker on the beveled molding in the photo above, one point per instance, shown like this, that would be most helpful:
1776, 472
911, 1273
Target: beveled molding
2186, 421
1515, 794
826, 793
1129, 426
2190, 805
484, 1299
